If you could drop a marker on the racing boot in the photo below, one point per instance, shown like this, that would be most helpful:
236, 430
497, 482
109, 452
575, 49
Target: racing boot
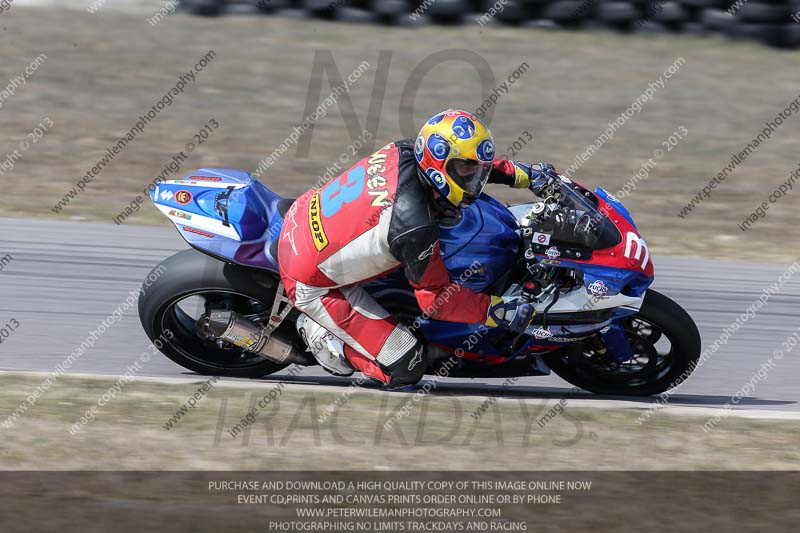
327, 349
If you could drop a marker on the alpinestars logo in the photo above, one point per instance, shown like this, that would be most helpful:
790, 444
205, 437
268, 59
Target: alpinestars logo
417, 359
291, 225
427, 253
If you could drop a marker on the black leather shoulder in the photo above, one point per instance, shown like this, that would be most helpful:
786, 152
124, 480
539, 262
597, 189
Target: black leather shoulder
412, 208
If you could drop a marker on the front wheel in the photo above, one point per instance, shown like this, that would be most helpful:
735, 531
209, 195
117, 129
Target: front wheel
190, 284
666, 347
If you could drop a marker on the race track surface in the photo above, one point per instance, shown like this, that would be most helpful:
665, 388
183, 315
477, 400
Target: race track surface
67, 277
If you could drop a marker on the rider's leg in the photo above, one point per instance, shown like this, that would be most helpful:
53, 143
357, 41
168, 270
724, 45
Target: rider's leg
378, 345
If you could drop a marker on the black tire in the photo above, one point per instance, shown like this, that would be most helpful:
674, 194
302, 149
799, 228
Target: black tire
759, 12
568, 11
391, 8
670, 12
270, 6
448, 11
355, 15
716, 19
706, 4
206, 8
618, 12
191, 273
648, 26
667, 321
512, 12
771, 34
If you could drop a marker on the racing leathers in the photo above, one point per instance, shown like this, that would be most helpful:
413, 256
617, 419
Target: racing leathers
377, 217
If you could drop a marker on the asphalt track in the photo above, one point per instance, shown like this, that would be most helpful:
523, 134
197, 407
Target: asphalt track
66, 277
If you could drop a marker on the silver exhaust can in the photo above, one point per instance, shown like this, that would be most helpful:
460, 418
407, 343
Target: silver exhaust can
253, 337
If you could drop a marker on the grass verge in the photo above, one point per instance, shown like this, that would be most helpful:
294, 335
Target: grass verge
129, 432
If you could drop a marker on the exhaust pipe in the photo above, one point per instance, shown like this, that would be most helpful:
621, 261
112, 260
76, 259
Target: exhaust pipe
246, 334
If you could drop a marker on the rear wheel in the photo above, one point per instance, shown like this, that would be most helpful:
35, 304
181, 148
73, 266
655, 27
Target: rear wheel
666, 346
190, 285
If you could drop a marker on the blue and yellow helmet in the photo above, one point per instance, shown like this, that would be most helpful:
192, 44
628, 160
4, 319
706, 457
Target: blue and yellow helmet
455, 151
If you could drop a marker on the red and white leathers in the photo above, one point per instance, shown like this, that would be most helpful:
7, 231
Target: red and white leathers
375, 218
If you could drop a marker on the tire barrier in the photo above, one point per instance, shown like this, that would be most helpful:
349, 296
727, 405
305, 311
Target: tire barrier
773, 22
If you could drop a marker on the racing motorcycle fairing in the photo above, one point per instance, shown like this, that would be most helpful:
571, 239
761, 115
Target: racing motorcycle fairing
225, 213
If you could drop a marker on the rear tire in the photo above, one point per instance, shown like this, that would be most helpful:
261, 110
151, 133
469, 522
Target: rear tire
668, 320
191, 273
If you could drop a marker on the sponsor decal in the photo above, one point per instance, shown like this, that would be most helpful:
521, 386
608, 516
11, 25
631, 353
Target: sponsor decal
551, 262
427, 253
485, 151
598, 288
179, 214
204, 178
541, 333
419, 148
166, 195
436, 119
315, 222
376, 183
463, 128
541, 238
552, 253
183, 197
242, 342
564, 339
438, 146
198, 232
565, 179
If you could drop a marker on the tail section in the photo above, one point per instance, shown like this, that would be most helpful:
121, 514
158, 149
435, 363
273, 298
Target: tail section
225, 213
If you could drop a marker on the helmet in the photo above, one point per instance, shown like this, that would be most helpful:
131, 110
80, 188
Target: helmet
455, 151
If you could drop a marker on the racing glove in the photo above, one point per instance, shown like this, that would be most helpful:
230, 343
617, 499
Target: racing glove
527, 175
511, 313
520, 175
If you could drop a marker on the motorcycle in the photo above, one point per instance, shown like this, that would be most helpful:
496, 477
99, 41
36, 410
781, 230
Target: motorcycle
219, 308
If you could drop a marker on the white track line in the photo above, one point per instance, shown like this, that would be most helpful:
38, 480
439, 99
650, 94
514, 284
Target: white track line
233, 383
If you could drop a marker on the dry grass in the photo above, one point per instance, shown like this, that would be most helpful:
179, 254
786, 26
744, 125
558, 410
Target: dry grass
438, 433
97, 81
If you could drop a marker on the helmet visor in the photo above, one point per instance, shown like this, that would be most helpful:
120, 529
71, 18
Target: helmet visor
470, 175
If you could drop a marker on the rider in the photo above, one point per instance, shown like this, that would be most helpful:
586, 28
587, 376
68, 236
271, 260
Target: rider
379, 216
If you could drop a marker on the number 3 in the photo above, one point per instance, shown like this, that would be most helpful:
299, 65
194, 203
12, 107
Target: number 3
336, 193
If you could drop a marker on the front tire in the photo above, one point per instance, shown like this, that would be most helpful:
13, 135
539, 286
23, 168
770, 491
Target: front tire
654, 369
205, 282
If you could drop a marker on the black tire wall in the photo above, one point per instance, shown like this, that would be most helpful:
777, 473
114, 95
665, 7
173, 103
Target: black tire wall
772, 22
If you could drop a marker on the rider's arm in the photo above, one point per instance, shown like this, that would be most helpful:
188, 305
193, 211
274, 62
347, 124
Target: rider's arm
438, 296
515, 174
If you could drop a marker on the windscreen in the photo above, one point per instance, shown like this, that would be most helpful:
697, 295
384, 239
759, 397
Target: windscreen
576, 220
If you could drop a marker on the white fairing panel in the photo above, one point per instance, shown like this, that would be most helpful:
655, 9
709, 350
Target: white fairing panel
581, 301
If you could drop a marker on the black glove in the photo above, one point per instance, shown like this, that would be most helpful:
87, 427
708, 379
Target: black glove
511, 313
542, 175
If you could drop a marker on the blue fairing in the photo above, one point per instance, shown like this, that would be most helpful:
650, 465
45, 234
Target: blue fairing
252, 216
485, 241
